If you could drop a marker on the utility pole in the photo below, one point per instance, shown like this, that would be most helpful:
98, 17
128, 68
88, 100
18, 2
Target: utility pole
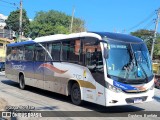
72, 19
155, 32
20, 22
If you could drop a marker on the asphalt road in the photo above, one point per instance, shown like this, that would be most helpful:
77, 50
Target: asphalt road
41, 100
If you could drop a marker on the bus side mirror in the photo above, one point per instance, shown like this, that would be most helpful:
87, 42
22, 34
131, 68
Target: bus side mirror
106, 53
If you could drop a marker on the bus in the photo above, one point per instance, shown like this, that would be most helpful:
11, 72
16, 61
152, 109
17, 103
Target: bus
104, 68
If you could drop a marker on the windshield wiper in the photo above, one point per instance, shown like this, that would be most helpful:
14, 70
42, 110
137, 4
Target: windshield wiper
128, 67
137, 63
143, 71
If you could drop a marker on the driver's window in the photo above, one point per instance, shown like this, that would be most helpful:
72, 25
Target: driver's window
92, 53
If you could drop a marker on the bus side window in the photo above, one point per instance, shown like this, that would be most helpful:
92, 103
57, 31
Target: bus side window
49, 49
65, 50
74, 51
14, 54
70, 50
9, 50
39, 52
20, 53
29, 52
55, 53
92, 56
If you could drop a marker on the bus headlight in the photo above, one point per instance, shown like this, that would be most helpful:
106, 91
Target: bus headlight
113, 88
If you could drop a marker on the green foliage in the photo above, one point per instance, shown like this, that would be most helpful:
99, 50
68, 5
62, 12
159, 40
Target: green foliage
13, 21
53, 22
147, 36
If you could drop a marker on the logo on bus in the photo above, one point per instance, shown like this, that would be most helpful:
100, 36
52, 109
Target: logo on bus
18, 67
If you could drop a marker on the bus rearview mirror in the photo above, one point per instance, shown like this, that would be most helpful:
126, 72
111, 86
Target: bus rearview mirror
106, 53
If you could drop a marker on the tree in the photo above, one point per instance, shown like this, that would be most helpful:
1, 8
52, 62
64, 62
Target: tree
53, 22
147, 36
13, 21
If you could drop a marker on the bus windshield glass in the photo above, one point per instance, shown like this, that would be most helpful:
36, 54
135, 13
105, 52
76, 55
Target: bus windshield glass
128, 61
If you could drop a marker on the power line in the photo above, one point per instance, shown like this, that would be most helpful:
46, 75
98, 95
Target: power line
9, 6
14, 4
141, 22
149, 24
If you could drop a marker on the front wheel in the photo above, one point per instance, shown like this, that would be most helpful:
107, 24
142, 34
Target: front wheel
21, 82
76, 94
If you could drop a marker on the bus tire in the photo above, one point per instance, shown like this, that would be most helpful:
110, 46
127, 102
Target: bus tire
76, 94
21, 82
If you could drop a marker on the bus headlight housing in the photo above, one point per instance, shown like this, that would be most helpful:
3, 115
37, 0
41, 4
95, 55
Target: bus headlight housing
113, 88
152, 87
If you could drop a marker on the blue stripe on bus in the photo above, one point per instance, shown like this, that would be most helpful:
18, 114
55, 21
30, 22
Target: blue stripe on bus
21, 43
123, 86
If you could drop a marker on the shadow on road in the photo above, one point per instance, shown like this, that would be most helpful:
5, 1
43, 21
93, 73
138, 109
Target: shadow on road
87, 105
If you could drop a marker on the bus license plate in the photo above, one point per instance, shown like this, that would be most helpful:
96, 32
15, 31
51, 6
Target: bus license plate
137, 100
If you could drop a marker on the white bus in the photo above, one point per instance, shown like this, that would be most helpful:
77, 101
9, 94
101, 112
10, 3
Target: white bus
108, 69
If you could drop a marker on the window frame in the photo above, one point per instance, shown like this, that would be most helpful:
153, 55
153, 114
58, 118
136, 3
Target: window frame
47, 47
67, 40
35, 52
33, 57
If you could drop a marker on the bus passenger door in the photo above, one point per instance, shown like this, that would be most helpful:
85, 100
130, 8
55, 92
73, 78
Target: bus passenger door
94, 62
39, 66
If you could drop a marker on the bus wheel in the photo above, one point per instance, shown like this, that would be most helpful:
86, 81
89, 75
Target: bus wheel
21, 82
76, 94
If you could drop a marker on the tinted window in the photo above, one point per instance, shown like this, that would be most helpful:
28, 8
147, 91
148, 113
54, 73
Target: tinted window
29, 53
54, 51
65, 50
14, 55
92, 55
9, 51
20, 53
71, 50
39, 52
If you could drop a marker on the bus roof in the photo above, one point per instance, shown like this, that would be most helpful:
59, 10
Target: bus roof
99, 35
56, 37
120, 37
67, 36
21, 43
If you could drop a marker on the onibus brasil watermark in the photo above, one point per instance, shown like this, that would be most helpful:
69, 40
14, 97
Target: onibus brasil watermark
20, 111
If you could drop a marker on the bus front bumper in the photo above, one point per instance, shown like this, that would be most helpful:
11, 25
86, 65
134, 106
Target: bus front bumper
122, 98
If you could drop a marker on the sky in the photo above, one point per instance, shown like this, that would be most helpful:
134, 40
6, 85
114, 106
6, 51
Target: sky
122, 16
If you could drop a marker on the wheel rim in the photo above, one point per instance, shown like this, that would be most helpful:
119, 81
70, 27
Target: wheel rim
21, 82
76, 94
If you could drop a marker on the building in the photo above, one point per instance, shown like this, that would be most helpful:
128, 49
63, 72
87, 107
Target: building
3, 43
6, 36
2, 21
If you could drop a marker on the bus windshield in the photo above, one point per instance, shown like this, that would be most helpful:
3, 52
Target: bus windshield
128, 61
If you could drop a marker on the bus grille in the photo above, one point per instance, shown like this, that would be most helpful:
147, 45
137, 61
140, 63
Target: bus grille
131, 100
135, 91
